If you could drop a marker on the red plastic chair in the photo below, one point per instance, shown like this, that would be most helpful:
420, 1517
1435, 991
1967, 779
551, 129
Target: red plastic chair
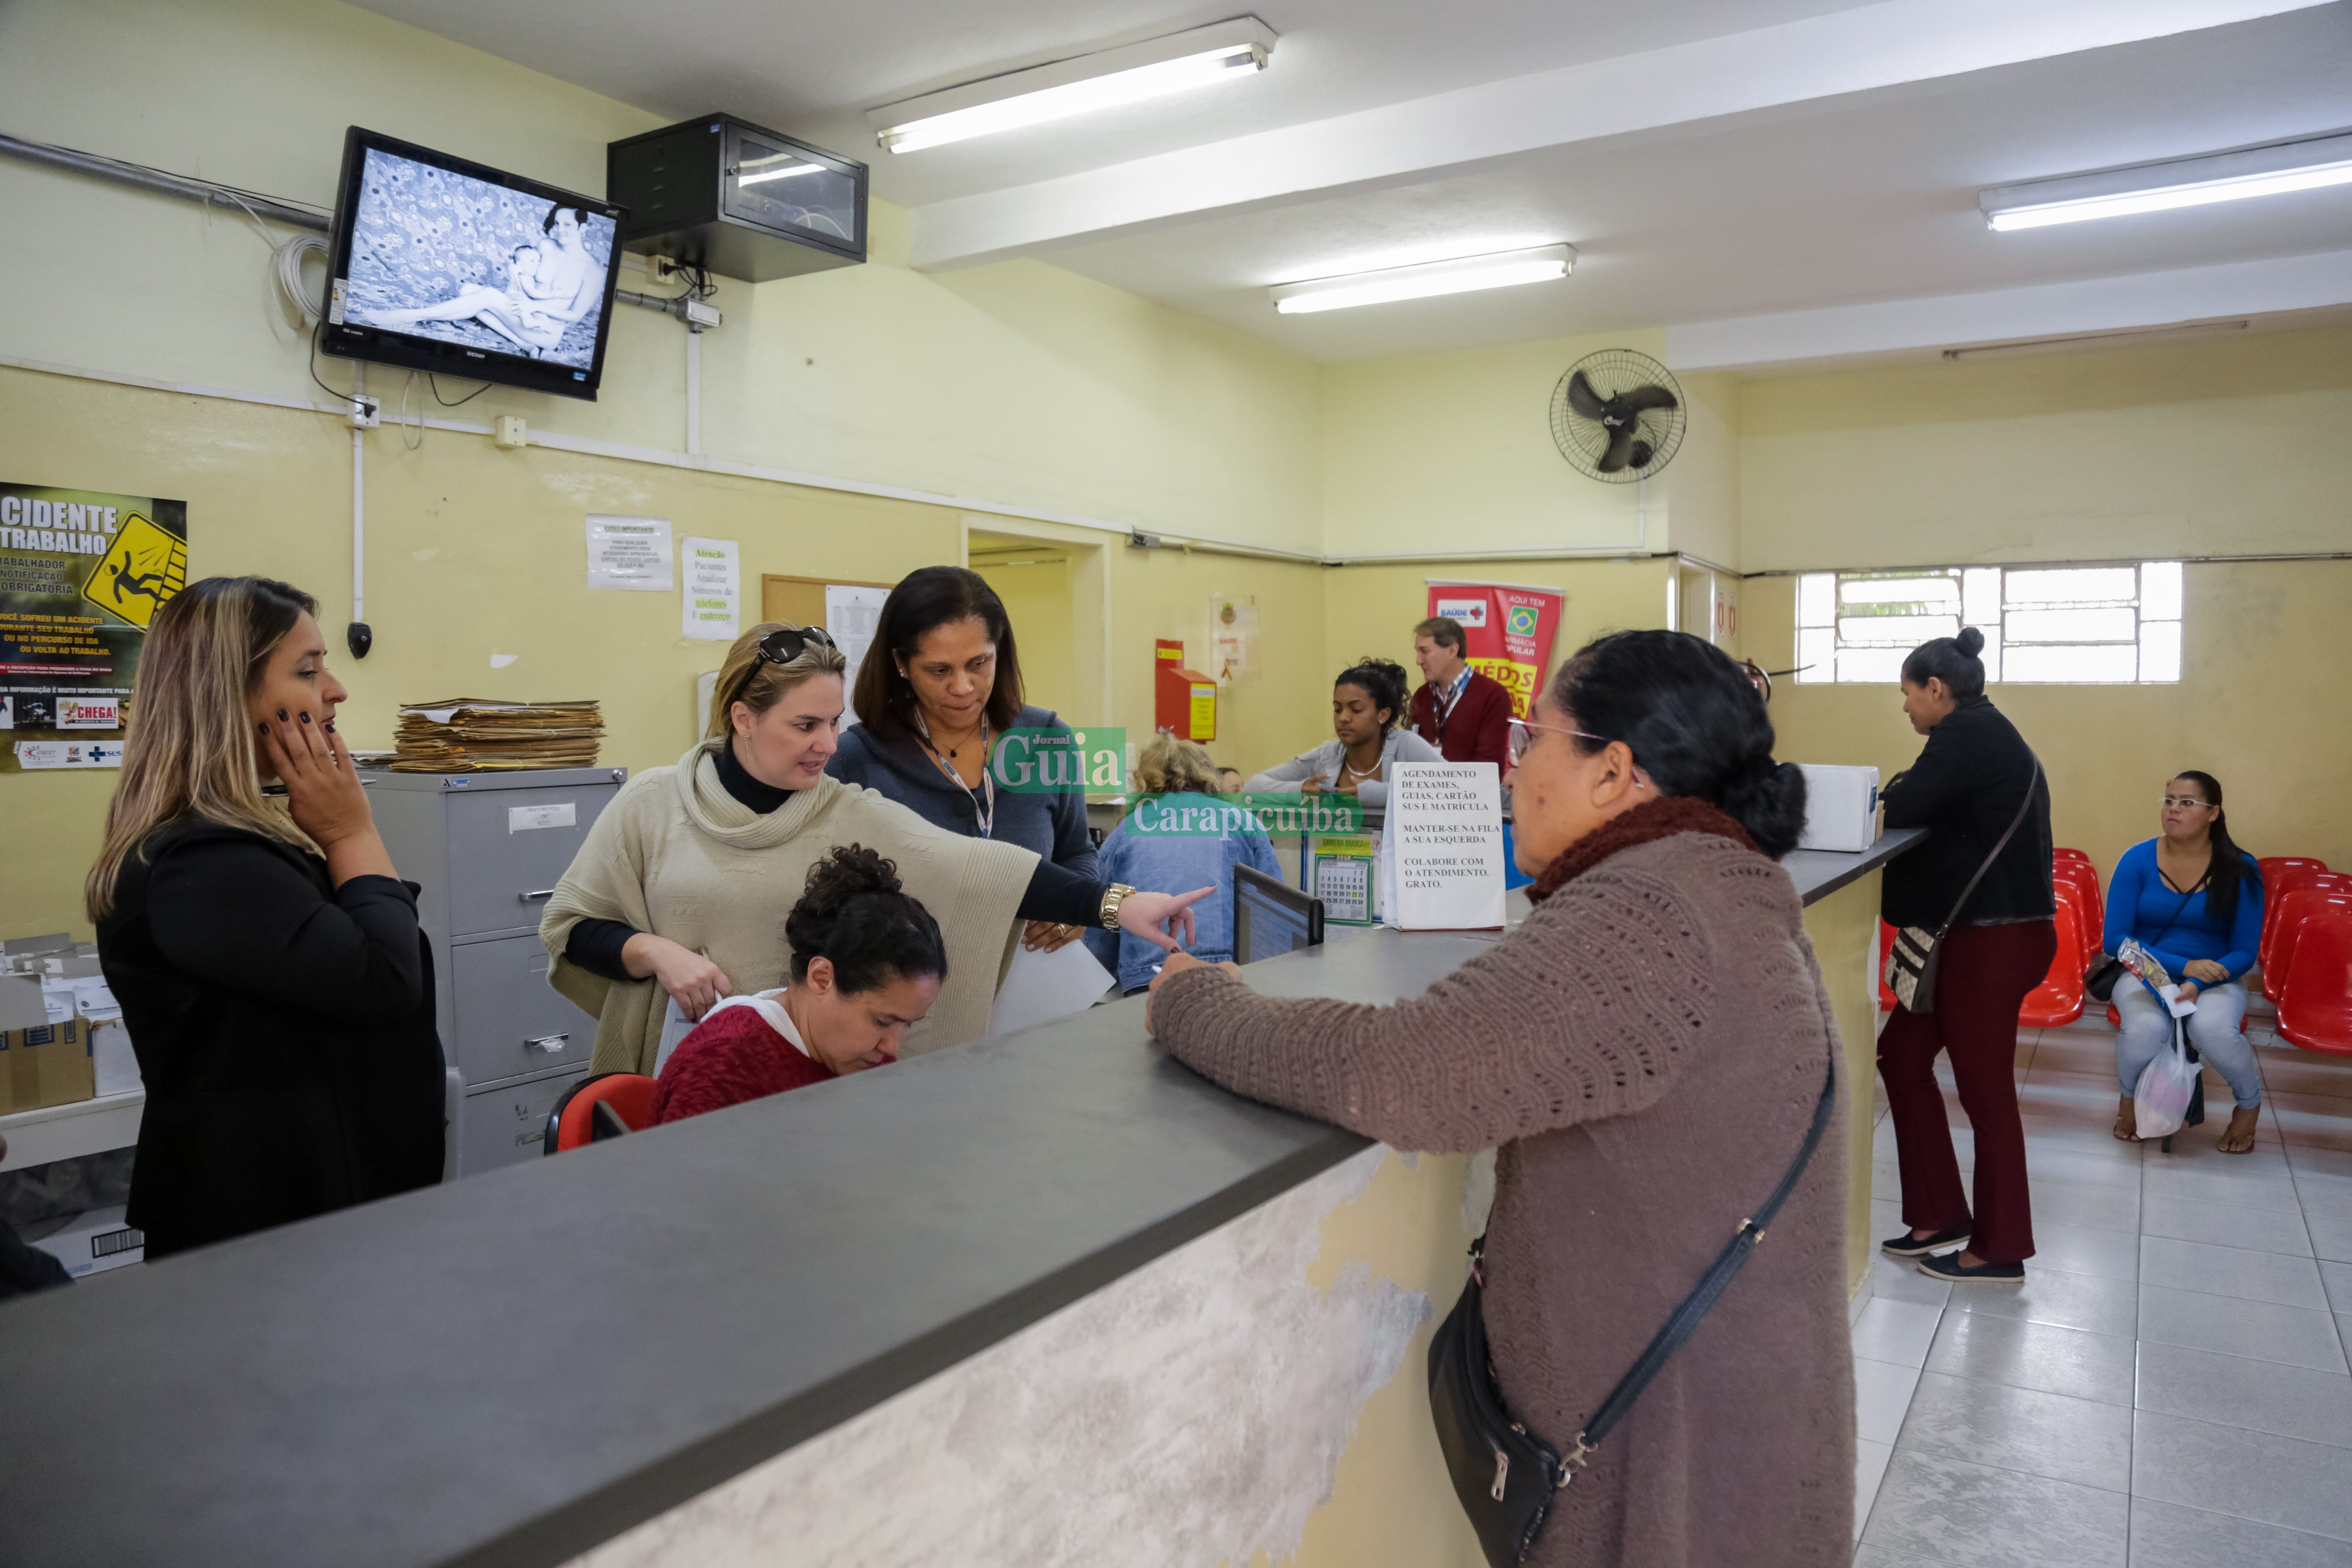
2294, 880
2079, 875
2063, 853
2315, 1006
628, 1095
2295, 911
1887, 1000
2275, 867
2058, 999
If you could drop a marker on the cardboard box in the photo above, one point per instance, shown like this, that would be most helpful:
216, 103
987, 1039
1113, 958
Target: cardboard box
41, 1063
93, 1242
1841, 808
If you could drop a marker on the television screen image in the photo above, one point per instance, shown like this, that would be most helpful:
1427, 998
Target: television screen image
445, 266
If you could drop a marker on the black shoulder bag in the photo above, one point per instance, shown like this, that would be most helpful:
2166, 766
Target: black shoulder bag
1507, 1476
1912, 960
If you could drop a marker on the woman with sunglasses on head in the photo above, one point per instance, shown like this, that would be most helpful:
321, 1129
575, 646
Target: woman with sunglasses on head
1975, 780
940, 691
1648, 1050
1369, 709
684, 881
273, 979
2194, 899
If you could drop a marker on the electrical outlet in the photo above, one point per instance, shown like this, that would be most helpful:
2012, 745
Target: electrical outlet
509, 432
367, 413
663, 268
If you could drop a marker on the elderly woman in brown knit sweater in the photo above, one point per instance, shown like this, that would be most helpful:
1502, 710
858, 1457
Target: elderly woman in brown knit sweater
1646, 1050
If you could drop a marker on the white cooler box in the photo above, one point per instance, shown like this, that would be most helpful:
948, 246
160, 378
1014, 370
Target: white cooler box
1841, 807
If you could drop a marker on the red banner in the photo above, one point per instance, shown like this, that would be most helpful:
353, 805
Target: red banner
1509, 630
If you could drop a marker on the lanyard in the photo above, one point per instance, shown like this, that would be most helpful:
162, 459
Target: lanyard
1454, 691
984, 804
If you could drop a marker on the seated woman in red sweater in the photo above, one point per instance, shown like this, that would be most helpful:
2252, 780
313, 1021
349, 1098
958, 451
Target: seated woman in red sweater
866, 965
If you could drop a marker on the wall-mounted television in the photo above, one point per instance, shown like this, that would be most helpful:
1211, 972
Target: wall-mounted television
441, 265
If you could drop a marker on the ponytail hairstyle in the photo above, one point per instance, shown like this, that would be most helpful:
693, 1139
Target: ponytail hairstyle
760, 684
1382, 680
856, 914
2232, 865
188, 749
1694, 722
1952, 660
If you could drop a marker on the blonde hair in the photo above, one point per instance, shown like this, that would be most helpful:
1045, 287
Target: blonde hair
188, 747
1169, 763
758, 683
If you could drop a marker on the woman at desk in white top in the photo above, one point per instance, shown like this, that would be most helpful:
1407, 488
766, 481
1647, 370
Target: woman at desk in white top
1367, 704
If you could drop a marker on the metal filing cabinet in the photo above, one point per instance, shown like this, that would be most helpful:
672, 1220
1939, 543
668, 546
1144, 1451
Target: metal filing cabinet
487, 850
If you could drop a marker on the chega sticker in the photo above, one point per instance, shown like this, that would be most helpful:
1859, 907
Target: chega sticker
89, 713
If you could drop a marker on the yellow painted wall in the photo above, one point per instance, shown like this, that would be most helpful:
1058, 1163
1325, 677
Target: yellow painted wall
2198, 447
1018, 385
1845, 931
1167, 593
1036, 596
2258, 707
1453, 451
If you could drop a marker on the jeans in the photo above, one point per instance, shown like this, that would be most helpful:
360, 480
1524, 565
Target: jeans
2212, 1029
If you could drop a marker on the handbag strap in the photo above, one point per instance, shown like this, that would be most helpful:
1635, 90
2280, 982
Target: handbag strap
2014, 823
1710, 1289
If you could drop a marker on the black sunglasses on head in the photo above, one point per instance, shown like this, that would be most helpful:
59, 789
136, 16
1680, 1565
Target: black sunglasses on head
788, 642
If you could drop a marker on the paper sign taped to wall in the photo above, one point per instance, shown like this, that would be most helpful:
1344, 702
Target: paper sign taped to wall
630, 552
1446, 831
851, 613
713, 598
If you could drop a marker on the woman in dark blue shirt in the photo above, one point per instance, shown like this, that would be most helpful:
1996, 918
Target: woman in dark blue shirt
2193, 898
939, 692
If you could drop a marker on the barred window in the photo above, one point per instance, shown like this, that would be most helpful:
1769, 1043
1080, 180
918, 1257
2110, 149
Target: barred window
2114, 624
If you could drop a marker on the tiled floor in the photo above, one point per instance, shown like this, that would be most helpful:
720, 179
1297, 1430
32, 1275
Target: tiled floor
2169, 1388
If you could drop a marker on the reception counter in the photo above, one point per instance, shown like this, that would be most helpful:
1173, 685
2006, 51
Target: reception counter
1051, 1298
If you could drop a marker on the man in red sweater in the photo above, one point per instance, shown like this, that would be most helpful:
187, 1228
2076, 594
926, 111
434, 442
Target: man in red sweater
1466, 715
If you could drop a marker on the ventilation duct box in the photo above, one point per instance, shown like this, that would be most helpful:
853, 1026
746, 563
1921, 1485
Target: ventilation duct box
721, 193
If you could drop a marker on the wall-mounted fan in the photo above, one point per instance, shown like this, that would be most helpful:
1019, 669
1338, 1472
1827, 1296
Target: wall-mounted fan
1617, 415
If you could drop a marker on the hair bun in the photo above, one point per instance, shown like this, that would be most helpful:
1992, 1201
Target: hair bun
851, 871
1970, 641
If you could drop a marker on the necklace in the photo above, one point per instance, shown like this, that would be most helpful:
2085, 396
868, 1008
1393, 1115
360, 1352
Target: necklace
1351, 771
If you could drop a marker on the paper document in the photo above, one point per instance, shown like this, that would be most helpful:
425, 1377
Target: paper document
851, 614
713, 589
676, 1026
1043, 986
629, 553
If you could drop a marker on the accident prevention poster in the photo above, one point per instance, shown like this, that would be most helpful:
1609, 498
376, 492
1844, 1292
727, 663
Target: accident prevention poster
81, 576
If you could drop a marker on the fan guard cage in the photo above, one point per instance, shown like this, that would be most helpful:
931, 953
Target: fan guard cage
1611, 371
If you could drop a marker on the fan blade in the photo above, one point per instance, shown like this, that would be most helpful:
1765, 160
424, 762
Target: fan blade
1641, 400
1583, 399
1643, 453
1621, 442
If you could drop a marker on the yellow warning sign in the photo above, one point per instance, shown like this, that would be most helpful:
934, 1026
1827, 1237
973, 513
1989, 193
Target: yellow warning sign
145, 567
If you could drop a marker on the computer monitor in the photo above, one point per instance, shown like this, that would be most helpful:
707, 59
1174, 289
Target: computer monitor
1270, 917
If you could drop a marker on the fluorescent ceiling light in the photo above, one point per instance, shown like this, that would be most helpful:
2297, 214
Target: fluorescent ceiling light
2180, 182
1460, 276
1223, 51
2093, 340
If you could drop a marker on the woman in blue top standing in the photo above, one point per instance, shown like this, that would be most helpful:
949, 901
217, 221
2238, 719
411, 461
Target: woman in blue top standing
939, 689
1181, 829
2195, 900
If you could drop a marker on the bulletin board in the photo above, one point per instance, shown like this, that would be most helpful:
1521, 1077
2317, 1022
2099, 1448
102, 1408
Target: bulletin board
800, 601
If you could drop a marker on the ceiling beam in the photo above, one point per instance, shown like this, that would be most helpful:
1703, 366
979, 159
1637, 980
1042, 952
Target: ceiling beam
1846, 51
2048, 310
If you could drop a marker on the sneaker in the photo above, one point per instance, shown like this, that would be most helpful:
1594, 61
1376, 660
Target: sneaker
1951, 1267
1905, 1246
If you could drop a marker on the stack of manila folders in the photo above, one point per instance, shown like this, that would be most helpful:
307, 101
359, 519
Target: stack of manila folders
478, 734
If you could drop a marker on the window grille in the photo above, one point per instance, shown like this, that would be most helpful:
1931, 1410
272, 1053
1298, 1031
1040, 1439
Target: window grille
2114, 625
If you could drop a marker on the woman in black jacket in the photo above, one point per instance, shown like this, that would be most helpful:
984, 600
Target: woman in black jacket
1966, 789
267, 955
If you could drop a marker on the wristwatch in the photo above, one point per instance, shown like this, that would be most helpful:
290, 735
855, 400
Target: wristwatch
1113, 896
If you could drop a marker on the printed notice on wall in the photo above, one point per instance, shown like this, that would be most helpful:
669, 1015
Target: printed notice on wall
629, 553
851, 614
714, 588
82, 574
1445, 830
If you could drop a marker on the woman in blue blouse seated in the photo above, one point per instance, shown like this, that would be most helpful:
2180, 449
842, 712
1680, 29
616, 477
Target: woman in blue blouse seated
2195, 900
1181, 829
940, 688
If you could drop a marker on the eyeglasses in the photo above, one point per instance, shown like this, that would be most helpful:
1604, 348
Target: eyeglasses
788, 642
1522, 736
2184, 801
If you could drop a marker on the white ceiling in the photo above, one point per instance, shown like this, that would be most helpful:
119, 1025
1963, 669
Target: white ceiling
1709, 159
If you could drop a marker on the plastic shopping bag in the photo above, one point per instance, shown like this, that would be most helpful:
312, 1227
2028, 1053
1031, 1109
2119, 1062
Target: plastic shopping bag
2161, 1101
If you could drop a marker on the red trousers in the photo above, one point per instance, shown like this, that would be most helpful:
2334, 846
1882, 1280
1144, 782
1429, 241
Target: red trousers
1981, 981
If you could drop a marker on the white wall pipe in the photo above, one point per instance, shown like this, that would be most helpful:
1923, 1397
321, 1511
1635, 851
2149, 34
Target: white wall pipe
693, 392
